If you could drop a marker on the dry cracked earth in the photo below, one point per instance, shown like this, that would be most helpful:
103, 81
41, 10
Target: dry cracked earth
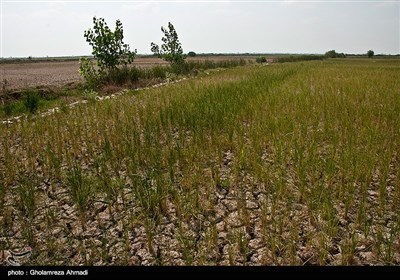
237, 221
238, 226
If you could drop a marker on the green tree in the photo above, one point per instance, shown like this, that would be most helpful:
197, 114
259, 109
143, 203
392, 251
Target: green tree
261, 59
370, 53
108, 47
171, 49
191, 54
331, 54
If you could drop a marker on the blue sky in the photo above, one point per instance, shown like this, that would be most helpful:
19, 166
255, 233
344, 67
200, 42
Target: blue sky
56, 29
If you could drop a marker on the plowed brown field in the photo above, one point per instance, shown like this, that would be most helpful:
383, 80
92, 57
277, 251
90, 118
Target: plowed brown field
57, 73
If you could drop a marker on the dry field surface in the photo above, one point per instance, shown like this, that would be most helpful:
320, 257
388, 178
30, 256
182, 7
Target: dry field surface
58, 73
285, 164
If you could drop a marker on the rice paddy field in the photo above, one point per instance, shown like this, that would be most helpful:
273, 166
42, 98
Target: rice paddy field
281, 164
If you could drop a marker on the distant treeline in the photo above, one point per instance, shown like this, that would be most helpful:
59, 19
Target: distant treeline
41, 59
283, 57
375, 56
295, 58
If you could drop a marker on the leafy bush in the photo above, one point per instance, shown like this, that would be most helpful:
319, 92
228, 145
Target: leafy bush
31, 101
334, 54
159, 72
261, 59
180, 68
118, 76
109, 50
88, 72
108, 47
134, 74
171, 50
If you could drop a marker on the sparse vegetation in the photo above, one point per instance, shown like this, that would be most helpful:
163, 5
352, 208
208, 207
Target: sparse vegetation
261, 59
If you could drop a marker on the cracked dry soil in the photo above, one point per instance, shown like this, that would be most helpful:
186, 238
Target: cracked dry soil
239, 224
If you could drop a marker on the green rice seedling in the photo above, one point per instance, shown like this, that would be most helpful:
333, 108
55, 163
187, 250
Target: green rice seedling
50, 217
27, 196
80, 189
28, 234
54, 162
159, 72
389, 242
150, 194
149, 225
51, 248
2, 191
112, 187
384, 173
348, 249
243, 246
322, 249
105, 256
187, 245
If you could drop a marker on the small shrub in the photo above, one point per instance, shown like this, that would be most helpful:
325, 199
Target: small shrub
180, 68
87, 71
134, 74
209, 64
109, 51
9, 108
108, 47
118, 76
159, 72
171, 49
261, 59
31, 101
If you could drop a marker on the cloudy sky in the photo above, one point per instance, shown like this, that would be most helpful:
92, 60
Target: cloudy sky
48, 28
